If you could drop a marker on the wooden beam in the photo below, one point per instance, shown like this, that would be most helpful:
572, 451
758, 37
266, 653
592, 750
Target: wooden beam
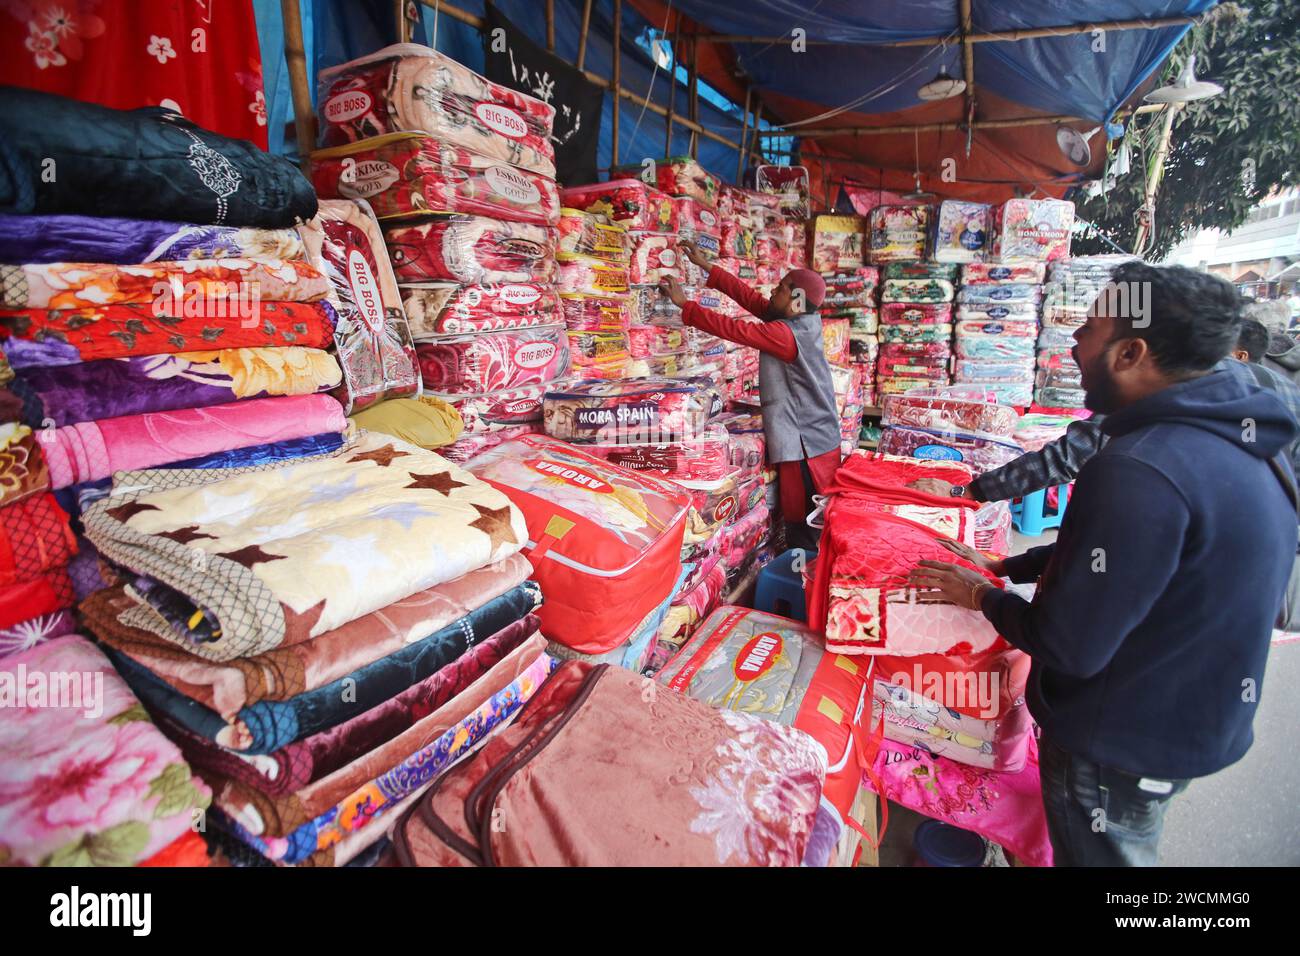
616, 84
1157, 172
744, 134
550, 26
295, 55
400, 21
820, 132
999, 36
968, 59
672, 93
694, 87
582, 35
470, 19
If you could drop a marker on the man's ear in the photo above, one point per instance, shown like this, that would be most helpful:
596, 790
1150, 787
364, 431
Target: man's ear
1130, 353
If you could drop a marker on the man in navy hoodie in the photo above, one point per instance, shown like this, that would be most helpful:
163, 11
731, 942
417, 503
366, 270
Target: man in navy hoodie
1151, 622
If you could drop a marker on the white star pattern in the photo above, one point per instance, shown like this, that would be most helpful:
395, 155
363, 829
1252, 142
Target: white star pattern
358, 556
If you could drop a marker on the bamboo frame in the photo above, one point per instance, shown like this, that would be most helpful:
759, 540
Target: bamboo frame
550, 26
967, 58
672, 93
744, 132
999, 36
616, 83
582, 35
400, 21
817, 133
693, 86
295, 55
1145, 231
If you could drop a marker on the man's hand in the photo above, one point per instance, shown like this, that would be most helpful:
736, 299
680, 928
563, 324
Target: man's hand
960, 586
695, 253
670, 287
936, 486
977, 558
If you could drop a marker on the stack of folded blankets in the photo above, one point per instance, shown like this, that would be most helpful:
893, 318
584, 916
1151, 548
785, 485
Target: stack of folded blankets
851, 295
963, 232
997, 324
1074, 285
915, 326
460, 172
949, 424
594, 259
86, 779
323, 636
943, 679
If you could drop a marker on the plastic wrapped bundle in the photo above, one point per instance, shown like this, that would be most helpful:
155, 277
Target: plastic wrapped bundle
898, 233
705, 458
1060, 397
963, 231
851, 287
981, 272
915, 313
471, 249
941, 332
1005, 370
697, 217
956, 409
408, 87
913, 366
1065, 317
647, 340
835, 340
591, 234
449, 309
737, 241
1060, 358
494, 411
628, 202
1060, 377
1055, 339
589, 313
1019, 394
864, 347
654, 256
919, 270
942, 347
597, 348
1004, 293
789, 184
1036, 230
683, 176
742, 538
408, 174
490, 361
587, 275
837, 243
887, 385
996, 311
674, 365
979, 452
916, 290
713, 503
993, 527
996, 340
632, 410
468, 447
1088, 268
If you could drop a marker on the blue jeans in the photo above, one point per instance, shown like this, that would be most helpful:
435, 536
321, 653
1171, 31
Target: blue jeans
1099, 816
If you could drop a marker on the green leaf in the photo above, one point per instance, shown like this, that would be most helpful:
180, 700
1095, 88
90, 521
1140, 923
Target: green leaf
175, 790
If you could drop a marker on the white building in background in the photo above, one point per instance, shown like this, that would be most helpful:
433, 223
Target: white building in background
1261, 256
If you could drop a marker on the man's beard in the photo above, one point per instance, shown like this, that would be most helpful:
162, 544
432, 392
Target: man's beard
1101, 395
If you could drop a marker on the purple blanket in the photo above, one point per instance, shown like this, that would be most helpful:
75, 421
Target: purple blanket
134, 241
109, 388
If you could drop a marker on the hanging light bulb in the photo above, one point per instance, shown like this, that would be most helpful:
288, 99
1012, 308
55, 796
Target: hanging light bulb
942, 87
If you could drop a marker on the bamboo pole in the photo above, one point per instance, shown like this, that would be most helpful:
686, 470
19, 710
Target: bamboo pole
744, 134
694, 87
616, 82
672, 94
304, 118
998, 36
968, 59
818, 132
758, 119
1153, 181
550, 26
582, 35
400, 21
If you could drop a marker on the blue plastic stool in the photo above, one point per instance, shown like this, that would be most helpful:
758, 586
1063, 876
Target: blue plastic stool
1031, 516
780, 585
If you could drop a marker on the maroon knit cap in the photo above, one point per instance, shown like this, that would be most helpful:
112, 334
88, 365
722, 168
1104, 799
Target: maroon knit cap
813, 285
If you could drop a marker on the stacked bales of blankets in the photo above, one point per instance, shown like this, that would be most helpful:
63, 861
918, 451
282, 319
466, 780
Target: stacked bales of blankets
915, 326
997, 324
594, 256
86, 778
1075, 284
321, 636
460, 172
944, 680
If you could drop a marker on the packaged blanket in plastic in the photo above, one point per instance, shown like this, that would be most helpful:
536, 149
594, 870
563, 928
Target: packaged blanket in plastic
410, 174
916, 313
1005, 293
994, 370
647, 340
654, 256
1061, 377
915, 366
471, 249
409, 87
633, 410
713, 503
1054, 397
837, 243
590, 234
605, 348
787, 183
587, 275
996, 311
697, 217
1033, 229
684, 176
919, 270
448, 309
745, 435
898, 233
916, 290
469, 446
689, 607
628, 202
963, 231
493, 411
877, 481
740, 539
835, 340
912, 719
737, 241
993, 527
371, 336
1089, 268
589, 313
706, 458
980, 451
938, 333
976, 273
889, 384
996, 340
605, 541
898, 349
948, 410
489, 361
